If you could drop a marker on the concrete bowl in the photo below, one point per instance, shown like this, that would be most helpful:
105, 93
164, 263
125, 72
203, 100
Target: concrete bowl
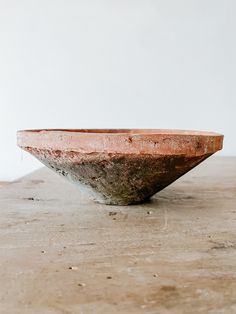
120, 166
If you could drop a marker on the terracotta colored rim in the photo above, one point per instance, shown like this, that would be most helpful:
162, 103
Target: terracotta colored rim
123, 141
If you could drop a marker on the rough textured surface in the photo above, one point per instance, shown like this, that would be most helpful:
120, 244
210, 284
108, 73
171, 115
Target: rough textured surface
131, 141
120, 167
60, 253
116, 178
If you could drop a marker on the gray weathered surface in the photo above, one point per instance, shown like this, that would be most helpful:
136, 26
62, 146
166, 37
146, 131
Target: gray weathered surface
117, 179
175, 254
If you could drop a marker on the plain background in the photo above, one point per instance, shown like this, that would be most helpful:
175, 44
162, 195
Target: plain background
109, 63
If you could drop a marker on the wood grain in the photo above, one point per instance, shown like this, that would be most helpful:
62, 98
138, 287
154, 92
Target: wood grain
60, 253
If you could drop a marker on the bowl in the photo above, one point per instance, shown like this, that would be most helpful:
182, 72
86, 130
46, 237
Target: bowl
120, 166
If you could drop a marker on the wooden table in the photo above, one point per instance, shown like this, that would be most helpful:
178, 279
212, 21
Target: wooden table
60, 253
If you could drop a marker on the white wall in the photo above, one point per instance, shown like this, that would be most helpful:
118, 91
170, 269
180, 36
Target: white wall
109, 63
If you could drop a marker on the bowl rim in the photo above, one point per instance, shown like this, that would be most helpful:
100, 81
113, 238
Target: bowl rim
131, 131
161, 142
